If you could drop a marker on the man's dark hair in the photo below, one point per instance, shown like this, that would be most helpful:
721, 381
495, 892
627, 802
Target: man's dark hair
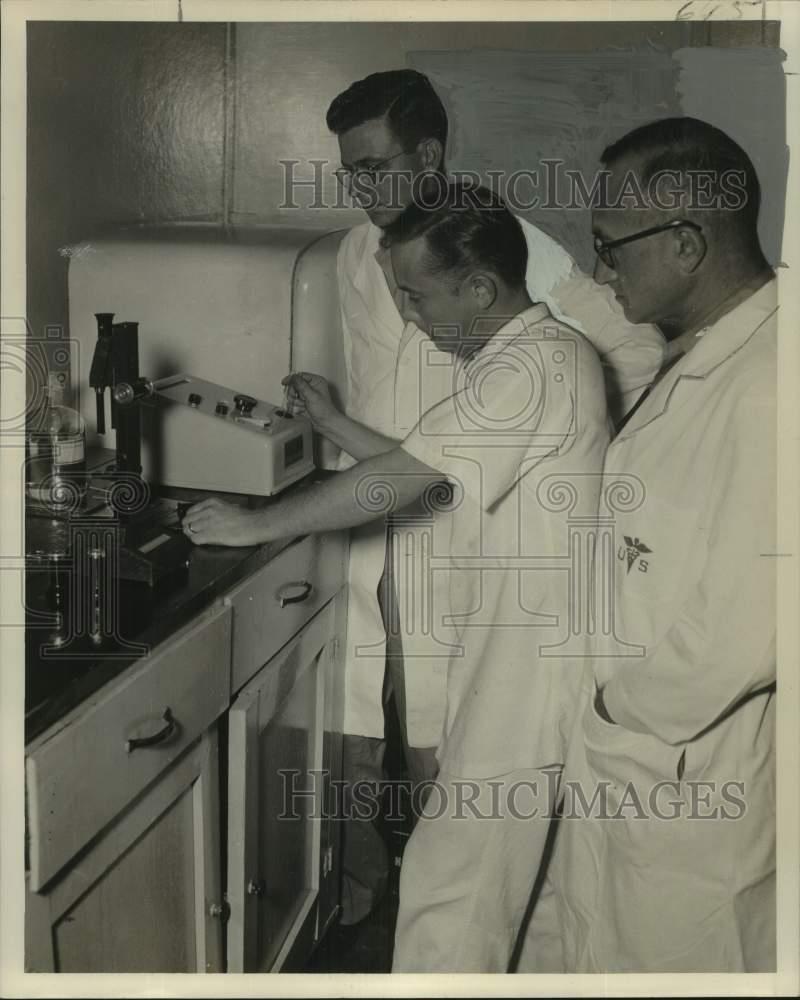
688, 144
411, 106
469, 228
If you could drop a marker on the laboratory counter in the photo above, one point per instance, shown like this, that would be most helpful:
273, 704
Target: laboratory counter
158, 753
59, 677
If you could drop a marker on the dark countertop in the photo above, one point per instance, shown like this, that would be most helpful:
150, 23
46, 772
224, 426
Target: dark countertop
57, 679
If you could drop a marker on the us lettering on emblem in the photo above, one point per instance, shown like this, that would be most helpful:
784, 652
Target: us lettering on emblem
632, 553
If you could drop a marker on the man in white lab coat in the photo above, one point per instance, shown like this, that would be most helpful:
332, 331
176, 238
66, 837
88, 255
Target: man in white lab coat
673, 867
520, 440
392, 128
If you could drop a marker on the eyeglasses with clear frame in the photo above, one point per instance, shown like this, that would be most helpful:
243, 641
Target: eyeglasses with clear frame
347, 175
604, 248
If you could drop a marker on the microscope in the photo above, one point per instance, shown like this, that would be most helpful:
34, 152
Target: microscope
200, 436
82, 518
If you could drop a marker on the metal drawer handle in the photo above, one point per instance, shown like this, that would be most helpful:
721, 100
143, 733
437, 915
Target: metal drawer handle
159, 737
285, 595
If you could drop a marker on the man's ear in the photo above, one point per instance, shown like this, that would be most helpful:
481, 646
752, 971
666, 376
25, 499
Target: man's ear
483, 288
691, 248
431, 154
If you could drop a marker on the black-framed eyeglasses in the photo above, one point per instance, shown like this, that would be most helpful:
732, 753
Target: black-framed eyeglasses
604, 248
347, 175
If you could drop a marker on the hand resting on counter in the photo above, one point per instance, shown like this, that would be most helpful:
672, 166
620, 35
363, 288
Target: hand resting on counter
217, 522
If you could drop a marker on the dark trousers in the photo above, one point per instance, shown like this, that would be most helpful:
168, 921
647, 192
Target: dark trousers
365, 862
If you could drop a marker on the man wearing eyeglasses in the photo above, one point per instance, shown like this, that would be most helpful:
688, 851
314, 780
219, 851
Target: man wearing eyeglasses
523, 430
673, 870
392, 132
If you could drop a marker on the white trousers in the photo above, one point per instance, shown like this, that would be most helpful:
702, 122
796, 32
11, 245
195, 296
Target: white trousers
468, 871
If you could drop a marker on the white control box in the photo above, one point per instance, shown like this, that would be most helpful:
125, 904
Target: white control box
204, 436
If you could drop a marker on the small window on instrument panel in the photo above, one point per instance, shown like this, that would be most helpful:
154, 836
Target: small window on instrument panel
293, 451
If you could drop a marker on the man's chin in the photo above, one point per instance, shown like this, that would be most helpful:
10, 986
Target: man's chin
629, 311
450, 345
383, 217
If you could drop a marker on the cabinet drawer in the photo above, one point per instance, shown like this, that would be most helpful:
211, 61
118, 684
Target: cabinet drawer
83, 775
275, 603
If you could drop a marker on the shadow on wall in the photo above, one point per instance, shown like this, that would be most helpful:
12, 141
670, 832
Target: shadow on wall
515, 115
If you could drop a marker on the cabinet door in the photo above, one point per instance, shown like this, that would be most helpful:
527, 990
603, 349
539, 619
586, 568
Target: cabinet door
275, 803
145, 896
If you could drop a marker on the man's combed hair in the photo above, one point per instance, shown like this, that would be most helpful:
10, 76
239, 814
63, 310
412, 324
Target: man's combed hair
411, 106
686, 145
469, 228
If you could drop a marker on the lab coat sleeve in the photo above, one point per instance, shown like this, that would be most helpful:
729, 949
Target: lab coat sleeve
722, 645
548, 263
474, 423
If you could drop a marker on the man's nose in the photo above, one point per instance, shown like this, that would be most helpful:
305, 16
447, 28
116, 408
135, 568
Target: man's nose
602, 272
408, 313
412, 316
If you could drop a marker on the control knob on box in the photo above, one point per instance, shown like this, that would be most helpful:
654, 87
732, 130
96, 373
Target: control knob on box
244, 404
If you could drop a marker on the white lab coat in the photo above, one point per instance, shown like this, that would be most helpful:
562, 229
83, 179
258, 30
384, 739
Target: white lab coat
522, 440
394, 374
694, 587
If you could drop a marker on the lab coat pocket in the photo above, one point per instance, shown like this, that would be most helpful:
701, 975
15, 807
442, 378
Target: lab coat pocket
696, 758
620, 755
635, 788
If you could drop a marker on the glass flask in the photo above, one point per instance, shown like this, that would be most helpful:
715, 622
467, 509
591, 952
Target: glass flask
56, 465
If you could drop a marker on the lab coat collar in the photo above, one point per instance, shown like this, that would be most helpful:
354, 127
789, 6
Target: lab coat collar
731, 332
367, 248
383, 257
369, 253
717, 345
510, 332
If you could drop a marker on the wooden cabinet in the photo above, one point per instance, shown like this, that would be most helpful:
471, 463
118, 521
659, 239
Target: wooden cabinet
138, 887
82, 773
124, 819
282, 844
